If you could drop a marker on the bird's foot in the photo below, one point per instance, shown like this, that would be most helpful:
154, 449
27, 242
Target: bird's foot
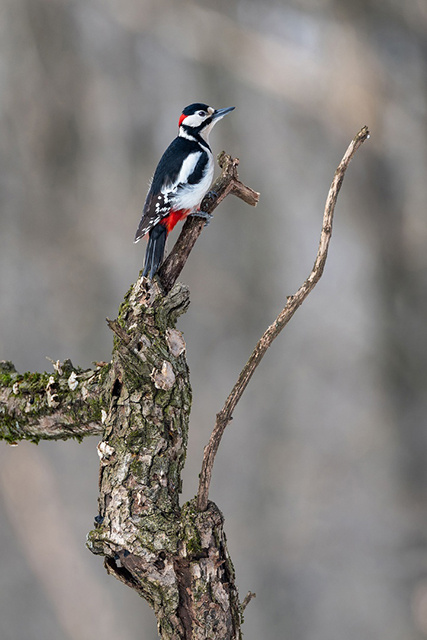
207, 217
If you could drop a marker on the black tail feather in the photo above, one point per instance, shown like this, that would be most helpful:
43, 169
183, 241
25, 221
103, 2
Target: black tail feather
155, 250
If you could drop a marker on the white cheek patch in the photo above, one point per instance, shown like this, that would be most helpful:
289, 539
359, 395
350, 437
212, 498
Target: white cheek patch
193, 120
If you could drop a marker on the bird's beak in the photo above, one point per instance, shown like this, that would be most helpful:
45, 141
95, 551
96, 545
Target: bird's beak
220, 113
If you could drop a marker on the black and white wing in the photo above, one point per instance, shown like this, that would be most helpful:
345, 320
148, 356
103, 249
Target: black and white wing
180, 166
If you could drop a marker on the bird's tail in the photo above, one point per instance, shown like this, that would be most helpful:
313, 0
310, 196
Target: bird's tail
155, 250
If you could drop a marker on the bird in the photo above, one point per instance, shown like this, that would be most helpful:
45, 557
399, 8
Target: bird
180, 182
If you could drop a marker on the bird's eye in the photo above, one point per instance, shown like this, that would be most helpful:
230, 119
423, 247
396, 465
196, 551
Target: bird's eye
202, 113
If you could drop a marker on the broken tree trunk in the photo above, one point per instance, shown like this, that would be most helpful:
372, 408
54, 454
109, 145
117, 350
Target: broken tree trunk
176, 558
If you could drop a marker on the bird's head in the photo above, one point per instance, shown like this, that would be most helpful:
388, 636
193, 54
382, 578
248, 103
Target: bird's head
199, 119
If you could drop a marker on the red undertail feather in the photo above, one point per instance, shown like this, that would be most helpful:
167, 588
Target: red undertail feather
173, 218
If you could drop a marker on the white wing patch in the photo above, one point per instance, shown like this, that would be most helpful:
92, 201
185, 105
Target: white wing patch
186, 170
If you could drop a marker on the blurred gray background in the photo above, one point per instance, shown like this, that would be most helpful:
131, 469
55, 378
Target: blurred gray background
322, 476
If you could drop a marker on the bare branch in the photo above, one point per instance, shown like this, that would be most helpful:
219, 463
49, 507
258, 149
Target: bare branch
227, 182
224, 417
249, 596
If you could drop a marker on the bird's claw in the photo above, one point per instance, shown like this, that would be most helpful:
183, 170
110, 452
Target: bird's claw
207, 217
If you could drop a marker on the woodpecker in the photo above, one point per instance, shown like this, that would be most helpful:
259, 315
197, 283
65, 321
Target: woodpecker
180, 182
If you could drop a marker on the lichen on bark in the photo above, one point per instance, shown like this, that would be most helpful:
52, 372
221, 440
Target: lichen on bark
67, 403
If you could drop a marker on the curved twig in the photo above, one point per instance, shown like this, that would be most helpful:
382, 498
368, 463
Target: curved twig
293, 302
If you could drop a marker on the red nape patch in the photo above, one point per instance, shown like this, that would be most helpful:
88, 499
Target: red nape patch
175, 216
181, 118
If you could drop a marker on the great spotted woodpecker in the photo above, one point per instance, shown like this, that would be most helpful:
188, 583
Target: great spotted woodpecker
181, 180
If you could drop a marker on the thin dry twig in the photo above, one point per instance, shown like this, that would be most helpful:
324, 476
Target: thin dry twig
227, 182
224, 417
249, 596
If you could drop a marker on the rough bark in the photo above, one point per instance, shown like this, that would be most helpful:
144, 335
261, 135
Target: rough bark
175, 558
